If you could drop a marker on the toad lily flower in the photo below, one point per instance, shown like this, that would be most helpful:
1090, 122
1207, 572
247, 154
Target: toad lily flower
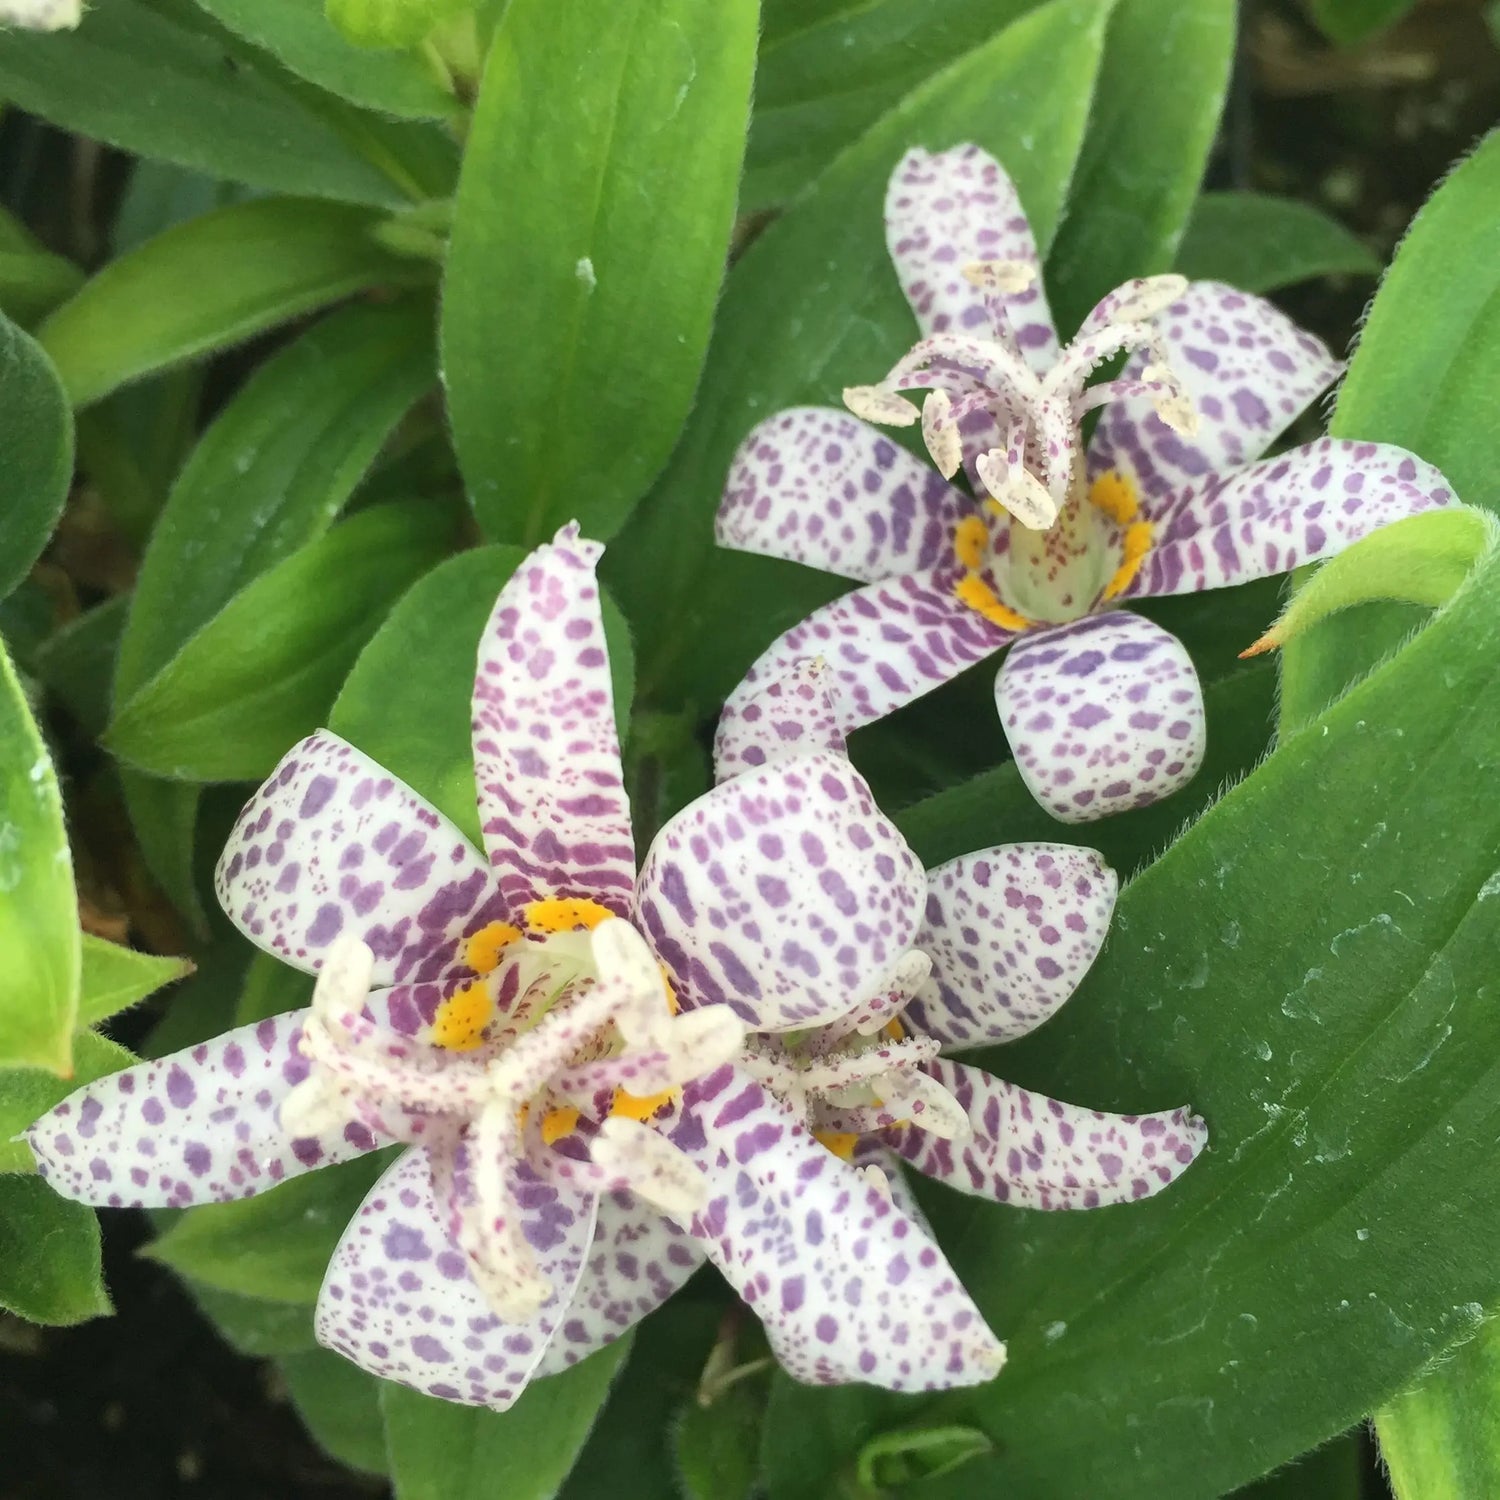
1102, 707
1007, 936
577, 1146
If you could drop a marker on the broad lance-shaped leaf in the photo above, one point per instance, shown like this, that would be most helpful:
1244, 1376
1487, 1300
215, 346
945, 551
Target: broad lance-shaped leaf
115, 978
1141, 164
36, 452
1258, 243
339, 1405
441, 1451
38, 909
50, 1270
264, 671
164, 82
575, 319
212, 282
811, 303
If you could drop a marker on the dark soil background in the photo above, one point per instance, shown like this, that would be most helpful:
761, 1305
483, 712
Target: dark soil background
151, 1404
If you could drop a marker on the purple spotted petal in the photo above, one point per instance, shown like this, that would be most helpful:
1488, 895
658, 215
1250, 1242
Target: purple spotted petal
874, 1151
200, 1126
784, 893
1036, 1152
1103, 715
885, 645
1275, 515
945, 210
1249, 371
848, 1287
552, 801
820, 487
331, 844
792, 716
1011, 932
398, 1299
638, 1260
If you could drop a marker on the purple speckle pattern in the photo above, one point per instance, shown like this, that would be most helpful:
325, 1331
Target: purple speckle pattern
552, 803
1011, 932
795, 715
1282, 512
819, 487
784, 893
1103, 715
331, 845
199, 1126
885, 644
1249, 370
398, 1299
1034, 1152
847, 1286
945, 210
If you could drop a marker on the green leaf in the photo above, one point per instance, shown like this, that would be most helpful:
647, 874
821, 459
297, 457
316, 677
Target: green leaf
339, 1405
1441, 1441
1141, 163
77, 662
828, 71
32, 280
809, 1447
270, 988
718, 1446
49, 1255
36, 453
575, 319
301, 35
1333, 1472
253, 1326
26, 1094
918, 1453
390, 23
1259, 243
115, 978
1349, 22
812, 304
416, 724
275, 1246
161, 86
442, 1451
264, 671
38, 912
209, 283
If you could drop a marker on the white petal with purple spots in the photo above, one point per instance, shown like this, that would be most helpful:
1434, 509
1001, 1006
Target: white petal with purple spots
1011, 932
1103, 715
792, 716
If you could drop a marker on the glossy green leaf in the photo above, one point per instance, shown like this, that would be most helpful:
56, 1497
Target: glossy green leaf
275, 1246
441, 1451
254, 1326
1349, 22
814, 305
810, 1447
26, 1094
49, 1255
828, 71
77, 662
1441, 1440
36, 452
161, 85
575, 319
212, 282
301, 35
1141, 162
1259, 243
264, 671
339, 1405
1333, 1472
115, 978
38, 910
416, 724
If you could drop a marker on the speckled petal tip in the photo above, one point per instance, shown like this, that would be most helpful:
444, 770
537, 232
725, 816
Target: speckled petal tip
819, 487
199, 1126
399, 1301
1274, 516
1011, 932
1249, 372
794, 715
333, 844
847, 1286
946, 210
1103, 715
1034, 1152
885, 644
784, 893
552, 803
